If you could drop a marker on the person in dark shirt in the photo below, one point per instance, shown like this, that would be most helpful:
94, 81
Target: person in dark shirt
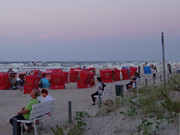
169, 68
139, 69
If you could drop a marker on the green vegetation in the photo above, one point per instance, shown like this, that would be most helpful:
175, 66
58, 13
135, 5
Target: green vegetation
130, 107
77, 127
152, 104
57, 131
156, 102
146, 127
174, 84
170, 105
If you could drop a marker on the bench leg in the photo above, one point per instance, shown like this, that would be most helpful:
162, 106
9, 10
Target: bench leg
21, 128
42, 122
35, 128
52, 120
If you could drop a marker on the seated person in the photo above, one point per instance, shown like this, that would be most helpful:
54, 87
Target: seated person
10, 70
44, 83
131, 84
25, 112
99, 89
27, 73
22, 79
44, 96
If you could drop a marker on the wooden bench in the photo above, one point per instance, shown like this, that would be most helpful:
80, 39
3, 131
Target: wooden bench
106, 92
38, 112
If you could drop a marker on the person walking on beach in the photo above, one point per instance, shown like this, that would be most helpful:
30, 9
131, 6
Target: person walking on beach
10, 70
44, 83
14, 83
169, 68
139, 69
154, 70
138, 80
18, 71
25, 112
99, 89
128, 72
19, 82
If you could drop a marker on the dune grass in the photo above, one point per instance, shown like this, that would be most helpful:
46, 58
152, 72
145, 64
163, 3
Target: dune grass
152, 105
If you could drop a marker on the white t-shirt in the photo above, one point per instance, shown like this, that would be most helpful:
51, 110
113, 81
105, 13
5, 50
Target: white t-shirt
18, 71
154, 71
47, 98
40, 98
99, 88
18, 79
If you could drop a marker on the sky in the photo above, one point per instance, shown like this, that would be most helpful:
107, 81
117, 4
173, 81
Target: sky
89, 30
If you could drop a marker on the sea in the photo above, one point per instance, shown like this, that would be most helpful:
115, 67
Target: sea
66, 65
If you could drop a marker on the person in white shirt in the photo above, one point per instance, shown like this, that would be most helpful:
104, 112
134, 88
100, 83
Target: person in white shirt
18, 70
19, 82
44, 96
154, 70
99, 89
138, 80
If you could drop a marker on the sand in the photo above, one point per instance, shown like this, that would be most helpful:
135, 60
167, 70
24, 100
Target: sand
11, 101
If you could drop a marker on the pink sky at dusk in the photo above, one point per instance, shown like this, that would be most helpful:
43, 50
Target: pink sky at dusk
72, 23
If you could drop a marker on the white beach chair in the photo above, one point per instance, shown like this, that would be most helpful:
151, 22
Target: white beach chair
106, 92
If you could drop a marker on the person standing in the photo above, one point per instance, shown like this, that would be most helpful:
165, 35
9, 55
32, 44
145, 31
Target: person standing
44, 83
154, 70
19, 82
18, 71
169, 68
14, 83
138, 80
139, 69
128, 72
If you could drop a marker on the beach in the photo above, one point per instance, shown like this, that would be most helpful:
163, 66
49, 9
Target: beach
11, 101
71, 48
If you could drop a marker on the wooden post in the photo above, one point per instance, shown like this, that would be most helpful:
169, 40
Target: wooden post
154, 79
99, 101
14, 126
160, 78
168, 76
163, 57
174, 73
146, 82
70, 111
